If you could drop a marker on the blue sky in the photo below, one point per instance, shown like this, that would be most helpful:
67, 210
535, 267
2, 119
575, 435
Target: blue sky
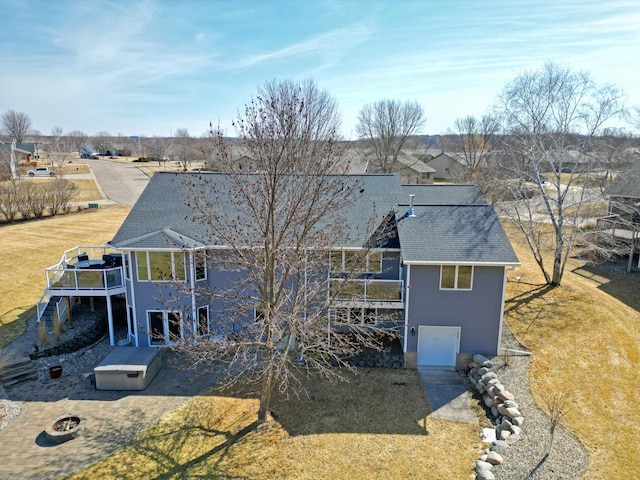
150, 67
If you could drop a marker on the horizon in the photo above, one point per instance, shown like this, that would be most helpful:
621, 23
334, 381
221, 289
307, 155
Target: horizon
150, 67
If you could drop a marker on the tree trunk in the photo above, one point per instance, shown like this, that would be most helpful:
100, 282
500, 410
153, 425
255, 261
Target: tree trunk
265, 394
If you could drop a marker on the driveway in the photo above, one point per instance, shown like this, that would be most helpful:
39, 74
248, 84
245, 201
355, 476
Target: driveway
120, 182
447, 394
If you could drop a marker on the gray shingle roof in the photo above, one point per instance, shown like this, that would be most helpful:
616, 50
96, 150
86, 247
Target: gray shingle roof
626, 184
453, 223
454, 233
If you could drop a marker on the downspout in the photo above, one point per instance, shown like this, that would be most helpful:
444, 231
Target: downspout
406, 309
504, 291
192, 277
133, 296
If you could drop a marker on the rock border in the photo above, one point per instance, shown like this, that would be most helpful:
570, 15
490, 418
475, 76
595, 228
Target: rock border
504, 411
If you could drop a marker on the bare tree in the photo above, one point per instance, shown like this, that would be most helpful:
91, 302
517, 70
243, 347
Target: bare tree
473, 139
283, 223
77, 139
183, 146
103, 141
15, 124
551, 118
384, 127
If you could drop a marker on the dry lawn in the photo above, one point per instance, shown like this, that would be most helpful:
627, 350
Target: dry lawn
26, 249
585, 341
375, 426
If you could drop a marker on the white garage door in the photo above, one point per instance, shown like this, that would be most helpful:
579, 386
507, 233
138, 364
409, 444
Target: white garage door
438, 346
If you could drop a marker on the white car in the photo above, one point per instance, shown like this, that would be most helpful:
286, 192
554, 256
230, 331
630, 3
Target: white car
41, 172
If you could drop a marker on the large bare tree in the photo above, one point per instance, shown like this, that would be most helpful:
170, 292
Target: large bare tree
183, 146
15, 124
552, 118
277, 227
77, 139
472, 139
384, 127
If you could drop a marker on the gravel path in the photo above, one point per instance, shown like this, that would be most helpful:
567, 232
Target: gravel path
526, 458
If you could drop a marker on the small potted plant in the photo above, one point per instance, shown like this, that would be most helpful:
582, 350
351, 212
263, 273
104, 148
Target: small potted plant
55, 371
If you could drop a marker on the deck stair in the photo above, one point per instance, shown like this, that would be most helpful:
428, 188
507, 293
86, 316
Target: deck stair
19, 372
49, 312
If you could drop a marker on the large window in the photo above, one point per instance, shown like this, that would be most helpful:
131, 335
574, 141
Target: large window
456, 277
355, 316
163, 327
160, 266
356, 261
203, 321
200, 258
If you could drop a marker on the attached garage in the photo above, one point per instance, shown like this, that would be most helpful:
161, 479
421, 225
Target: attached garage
438, 346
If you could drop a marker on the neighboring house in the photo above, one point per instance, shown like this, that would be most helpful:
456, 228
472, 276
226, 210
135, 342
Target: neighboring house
446, 167
23, 152
411, 169
439, 279
623, 209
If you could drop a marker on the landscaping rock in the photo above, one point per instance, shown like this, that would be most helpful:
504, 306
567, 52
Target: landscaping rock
482, 371
495, 458
518, 421
480, 465
510, 404
505, 395
506, 424
485, 475
499, 446
492, 382
502, 409
483, 458
516, 430
513, 438
480, 359
513, 413
494, 412
488, 401
488, 376
504, 434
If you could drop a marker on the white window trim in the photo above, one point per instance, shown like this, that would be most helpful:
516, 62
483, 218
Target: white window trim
455, 287
343, 261
206, 307
165, 320
173, 267
195, 265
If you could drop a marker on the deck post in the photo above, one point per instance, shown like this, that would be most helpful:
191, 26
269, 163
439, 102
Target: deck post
112, 340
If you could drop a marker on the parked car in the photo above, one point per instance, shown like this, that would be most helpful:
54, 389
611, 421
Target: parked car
41, 172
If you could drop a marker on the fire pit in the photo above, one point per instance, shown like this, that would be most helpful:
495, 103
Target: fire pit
65, 429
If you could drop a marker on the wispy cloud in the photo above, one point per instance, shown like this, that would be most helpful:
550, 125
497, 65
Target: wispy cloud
328, 47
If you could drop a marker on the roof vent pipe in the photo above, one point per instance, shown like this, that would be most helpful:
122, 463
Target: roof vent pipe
410, 212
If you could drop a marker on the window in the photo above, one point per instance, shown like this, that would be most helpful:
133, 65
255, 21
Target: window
356, 261
200, 258
456, 277
160, 266
203, 321
355, 316
163, 327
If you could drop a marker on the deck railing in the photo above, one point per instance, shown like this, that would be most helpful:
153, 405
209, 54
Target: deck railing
84, 279
367, 290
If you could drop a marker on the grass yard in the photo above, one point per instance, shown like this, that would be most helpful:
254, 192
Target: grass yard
26, 249
585, 341
374, 426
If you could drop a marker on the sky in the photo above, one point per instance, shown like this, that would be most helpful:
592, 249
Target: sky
150, 67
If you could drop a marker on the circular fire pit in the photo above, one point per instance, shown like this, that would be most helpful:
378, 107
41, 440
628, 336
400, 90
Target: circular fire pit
65, 429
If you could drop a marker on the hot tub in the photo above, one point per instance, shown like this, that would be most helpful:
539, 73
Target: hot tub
128, 368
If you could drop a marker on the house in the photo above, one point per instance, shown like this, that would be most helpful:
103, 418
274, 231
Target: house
623, 210
410, 168
447, 167
438, 279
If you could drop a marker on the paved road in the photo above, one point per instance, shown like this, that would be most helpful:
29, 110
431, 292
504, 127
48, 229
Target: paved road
120, 182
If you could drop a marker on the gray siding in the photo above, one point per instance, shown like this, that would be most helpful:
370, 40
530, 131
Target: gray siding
478, 311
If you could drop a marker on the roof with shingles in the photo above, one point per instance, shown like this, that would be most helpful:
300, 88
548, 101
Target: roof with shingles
470, 234
626, 184
453, 223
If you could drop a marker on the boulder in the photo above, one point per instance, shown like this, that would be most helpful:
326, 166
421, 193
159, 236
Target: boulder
485, 475
483, 458
501, 408
510, 404
499, 446
488, 401
504, 434
494, 458
480, 359
513, 438
515, 430
506, 424
517, 421
480, 465
505, 395
494, 411
488, 376
482, 371
491, 392
513, 413
492, 382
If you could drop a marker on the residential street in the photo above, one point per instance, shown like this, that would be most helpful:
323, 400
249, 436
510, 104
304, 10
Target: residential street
120, 182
